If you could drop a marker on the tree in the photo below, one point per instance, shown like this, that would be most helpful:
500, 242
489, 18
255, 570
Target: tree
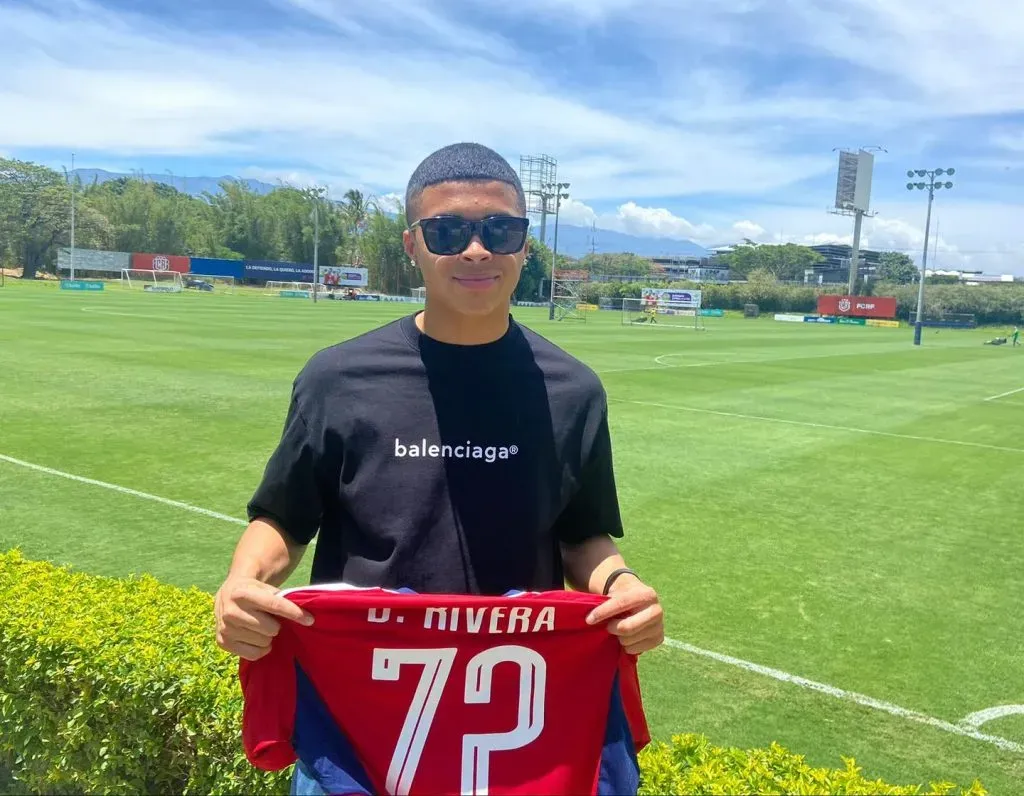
35, 217
897, 267
389, 269
617, 264
786, 262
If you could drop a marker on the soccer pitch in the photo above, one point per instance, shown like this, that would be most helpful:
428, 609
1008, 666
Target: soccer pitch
831, 515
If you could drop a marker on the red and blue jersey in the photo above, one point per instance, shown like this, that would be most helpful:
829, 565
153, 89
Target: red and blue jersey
402, 693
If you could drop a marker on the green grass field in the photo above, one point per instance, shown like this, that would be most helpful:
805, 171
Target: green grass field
830, 502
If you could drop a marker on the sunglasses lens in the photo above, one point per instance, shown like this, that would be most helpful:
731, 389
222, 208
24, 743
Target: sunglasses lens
504, 235
445, 235
450, 235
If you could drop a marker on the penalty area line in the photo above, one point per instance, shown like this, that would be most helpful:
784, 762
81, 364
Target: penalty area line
122, 489
851, 696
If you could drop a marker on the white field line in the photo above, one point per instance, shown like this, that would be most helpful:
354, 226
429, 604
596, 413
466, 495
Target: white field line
122, 489
991, 714
1004, 394
963, 729
851, 696
763, 361
826, 426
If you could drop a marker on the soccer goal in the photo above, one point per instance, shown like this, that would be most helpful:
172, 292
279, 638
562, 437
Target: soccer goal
294, 289
204, 283
665, 314
151, 281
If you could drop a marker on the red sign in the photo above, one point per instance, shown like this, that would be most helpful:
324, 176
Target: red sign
161, 262
857, 306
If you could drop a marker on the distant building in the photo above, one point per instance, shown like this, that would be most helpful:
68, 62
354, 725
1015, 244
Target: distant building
691, 269
974, 277
836, 267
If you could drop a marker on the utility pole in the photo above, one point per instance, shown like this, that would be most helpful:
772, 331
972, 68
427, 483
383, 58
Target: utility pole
931, 186
72, 216
316, 247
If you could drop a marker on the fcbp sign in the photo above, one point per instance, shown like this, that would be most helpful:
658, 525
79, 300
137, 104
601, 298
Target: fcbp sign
857, 306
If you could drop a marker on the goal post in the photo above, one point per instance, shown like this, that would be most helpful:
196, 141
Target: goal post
151, 281
294, 289
679, 309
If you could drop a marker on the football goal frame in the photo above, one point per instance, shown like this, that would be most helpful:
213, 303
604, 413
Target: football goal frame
151, 281
292, 289
662, 314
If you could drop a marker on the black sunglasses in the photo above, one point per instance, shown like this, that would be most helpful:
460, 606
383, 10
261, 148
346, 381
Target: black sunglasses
452, 234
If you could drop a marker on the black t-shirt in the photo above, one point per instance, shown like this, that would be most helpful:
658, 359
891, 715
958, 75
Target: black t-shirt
442, 468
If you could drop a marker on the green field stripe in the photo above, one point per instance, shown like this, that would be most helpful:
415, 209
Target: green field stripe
823, 426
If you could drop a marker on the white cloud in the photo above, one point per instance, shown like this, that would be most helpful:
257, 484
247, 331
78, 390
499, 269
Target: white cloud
979, 237
373, 85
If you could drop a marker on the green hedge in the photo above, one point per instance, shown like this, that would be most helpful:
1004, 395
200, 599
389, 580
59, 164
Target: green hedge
116, 686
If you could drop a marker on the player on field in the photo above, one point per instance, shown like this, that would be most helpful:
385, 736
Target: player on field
453, 451
1016, 335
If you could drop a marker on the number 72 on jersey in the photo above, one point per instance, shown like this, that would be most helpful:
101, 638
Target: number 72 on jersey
476, 748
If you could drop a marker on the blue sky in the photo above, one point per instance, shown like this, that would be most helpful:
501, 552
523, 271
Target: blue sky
703, 119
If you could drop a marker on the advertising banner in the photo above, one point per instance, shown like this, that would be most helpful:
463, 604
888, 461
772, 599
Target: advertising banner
713, 313
789, 318
143, 261
93, 260
217, 266
80, 284
368, 297
816, 319
344, 276
884, 324
853, 321
857, 306
274, 271
689, 298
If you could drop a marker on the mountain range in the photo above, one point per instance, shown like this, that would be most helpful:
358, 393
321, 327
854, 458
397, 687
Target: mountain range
574, 241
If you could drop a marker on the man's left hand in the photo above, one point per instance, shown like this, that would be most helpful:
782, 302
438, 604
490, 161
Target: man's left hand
636, 614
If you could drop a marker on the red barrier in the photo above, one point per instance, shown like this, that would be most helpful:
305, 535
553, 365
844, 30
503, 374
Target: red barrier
142, 261
857, 306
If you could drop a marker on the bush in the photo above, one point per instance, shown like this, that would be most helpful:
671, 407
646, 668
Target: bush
690, 764
116, 686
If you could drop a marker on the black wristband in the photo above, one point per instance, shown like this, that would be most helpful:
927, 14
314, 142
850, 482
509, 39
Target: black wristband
611, 578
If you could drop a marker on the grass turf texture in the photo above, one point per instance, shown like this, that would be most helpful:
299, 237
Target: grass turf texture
883, 563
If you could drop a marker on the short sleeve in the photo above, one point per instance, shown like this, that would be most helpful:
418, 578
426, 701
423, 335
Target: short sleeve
289, 494
594, 508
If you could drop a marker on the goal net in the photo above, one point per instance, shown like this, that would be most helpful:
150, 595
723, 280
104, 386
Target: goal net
151, 281
669, 314
203, 283
294, 289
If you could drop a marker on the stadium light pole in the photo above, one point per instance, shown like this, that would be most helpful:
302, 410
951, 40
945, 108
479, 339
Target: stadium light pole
72, 175
559, 194
317, 192
931, 186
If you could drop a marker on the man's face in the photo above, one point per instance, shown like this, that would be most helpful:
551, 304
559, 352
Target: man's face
475, 281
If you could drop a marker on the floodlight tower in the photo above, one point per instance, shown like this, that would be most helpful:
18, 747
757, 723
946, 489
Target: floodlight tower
535, 173
931, 186
558, 191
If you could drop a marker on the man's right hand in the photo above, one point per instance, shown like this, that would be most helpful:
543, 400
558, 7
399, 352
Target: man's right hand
248, 614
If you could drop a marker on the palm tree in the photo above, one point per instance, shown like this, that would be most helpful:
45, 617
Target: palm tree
357, 210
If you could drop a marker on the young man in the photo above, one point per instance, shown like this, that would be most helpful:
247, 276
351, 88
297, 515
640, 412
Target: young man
451, 451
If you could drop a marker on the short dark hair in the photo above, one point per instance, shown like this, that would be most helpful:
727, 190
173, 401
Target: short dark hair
458, 163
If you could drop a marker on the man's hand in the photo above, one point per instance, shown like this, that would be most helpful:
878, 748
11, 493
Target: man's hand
636, 614
248, 615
